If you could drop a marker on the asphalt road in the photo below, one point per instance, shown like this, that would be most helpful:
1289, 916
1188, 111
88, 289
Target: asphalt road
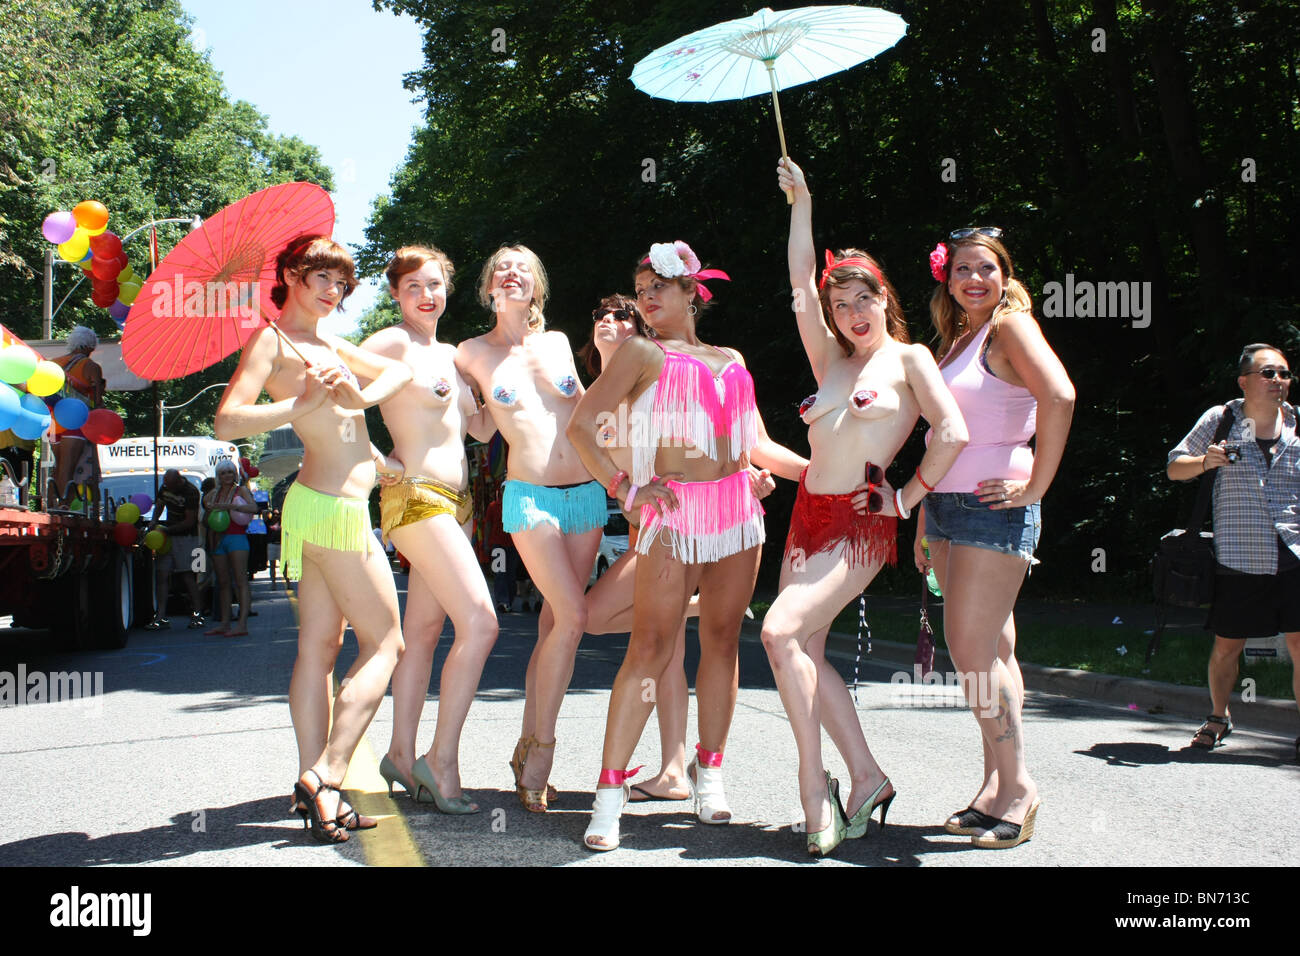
188, 758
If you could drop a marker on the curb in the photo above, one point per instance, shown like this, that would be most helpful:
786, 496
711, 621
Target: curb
1264, 713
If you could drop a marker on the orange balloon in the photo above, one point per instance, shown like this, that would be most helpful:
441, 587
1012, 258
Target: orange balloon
91, 215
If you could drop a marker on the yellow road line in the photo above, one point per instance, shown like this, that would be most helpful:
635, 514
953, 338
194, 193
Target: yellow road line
390, 843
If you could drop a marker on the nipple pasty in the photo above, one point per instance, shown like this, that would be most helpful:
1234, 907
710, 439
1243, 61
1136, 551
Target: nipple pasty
503, 395
442, 388
863, 398
567, 385
806, 404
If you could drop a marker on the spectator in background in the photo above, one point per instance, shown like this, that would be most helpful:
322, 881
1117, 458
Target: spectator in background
180, 500
1256, 524
75, 459
503, 559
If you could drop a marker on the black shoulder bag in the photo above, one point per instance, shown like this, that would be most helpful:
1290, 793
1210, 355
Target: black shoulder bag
1183, 565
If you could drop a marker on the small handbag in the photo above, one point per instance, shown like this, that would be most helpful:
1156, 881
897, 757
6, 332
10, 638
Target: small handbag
924, 657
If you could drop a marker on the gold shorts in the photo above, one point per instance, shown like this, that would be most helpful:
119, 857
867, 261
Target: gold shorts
415, 499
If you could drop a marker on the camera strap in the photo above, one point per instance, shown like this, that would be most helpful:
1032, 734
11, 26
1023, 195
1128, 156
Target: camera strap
1202, 506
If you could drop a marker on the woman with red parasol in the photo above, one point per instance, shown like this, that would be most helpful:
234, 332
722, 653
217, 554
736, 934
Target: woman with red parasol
326, 536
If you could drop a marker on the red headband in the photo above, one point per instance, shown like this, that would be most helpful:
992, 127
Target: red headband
832, 264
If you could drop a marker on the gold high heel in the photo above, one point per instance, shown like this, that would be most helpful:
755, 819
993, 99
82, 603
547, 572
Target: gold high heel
825, 840
531, 799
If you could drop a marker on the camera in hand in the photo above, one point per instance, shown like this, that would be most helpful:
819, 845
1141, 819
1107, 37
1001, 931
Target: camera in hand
1233, 451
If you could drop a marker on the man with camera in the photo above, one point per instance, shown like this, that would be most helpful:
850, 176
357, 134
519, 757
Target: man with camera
1256, 523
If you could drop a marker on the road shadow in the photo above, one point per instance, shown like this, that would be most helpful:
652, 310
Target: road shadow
256, 823
1135, 754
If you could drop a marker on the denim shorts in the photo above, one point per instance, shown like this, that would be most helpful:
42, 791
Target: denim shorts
963, 519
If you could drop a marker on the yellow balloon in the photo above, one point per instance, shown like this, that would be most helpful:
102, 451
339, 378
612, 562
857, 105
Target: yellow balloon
75, 249
126, 275
96, 232
127, 291
46, 380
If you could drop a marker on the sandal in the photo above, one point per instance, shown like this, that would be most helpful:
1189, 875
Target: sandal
1207, 739
639, 794
605, 813
323, 829
822, 842
968, 822
348, 818
517, 761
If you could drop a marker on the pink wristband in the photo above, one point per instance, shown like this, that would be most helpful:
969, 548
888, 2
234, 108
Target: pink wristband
631, 493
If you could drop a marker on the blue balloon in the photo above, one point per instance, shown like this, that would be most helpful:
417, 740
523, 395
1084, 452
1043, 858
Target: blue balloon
34, 404
30, 427
10, 406
71, 412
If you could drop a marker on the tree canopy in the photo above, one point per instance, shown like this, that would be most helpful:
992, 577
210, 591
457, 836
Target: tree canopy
1146, 141
111, 101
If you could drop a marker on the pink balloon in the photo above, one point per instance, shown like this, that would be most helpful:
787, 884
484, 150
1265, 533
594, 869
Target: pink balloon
59, 227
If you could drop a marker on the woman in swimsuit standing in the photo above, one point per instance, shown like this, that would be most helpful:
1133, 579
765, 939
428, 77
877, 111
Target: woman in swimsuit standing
551, 508
326, 535
609, 602
692, 412
427, 515
872, 385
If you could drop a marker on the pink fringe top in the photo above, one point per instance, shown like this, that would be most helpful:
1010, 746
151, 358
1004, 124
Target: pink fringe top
688, 404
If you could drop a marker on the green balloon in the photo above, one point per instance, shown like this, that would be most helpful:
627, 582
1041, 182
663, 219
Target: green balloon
17, 364
219, 520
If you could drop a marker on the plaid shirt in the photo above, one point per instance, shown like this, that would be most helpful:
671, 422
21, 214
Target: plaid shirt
1254, 502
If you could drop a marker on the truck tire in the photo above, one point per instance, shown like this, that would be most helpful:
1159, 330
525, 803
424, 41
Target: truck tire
112, 601
146, 599
73, 619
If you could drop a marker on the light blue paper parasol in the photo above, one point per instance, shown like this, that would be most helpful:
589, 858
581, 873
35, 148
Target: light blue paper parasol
768, 51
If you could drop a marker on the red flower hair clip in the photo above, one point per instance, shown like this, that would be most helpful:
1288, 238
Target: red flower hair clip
939, 263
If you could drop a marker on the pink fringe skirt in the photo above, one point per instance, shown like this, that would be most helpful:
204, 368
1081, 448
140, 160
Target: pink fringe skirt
713, 520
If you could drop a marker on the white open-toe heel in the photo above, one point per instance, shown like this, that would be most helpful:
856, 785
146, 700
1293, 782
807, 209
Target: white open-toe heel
605, 813
705, 775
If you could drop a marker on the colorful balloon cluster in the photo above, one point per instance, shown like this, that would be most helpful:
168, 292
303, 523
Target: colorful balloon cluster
29, 414
128, 514
83, 237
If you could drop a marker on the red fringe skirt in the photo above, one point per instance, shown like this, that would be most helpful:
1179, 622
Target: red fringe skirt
820, 523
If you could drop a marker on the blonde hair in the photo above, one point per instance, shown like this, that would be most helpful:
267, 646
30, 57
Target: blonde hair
541, 288
946, 314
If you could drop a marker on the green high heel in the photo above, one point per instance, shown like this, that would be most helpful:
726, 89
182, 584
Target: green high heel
825, 840
858, 822
388, 770
422, 774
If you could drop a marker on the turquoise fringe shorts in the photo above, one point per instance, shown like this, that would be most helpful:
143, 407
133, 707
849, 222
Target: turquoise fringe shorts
573, 509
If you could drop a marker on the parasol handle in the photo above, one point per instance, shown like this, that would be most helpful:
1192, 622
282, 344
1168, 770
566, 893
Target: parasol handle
283, 338
780, 127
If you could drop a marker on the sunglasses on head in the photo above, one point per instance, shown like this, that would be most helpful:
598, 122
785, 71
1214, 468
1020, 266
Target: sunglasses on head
1269, 373
875, 476
619, 315
993, 232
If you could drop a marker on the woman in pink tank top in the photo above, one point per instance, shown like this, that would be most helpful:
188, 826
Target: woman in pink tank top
982, 520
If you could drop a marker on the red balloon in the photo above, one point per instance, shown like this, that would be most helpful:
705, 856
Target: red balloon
103, 426
105, 246
124, 534
105, 297
105, 268
124, 259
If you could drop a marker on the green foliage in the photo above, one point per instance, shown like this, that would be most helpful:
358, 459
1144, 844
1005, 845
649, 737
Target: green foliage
1122, 165
110, 101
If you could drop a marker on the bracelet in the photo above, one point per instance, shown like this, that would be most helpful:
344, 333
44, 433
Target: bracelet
612, 487
922, 480
898, 504
631, 493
